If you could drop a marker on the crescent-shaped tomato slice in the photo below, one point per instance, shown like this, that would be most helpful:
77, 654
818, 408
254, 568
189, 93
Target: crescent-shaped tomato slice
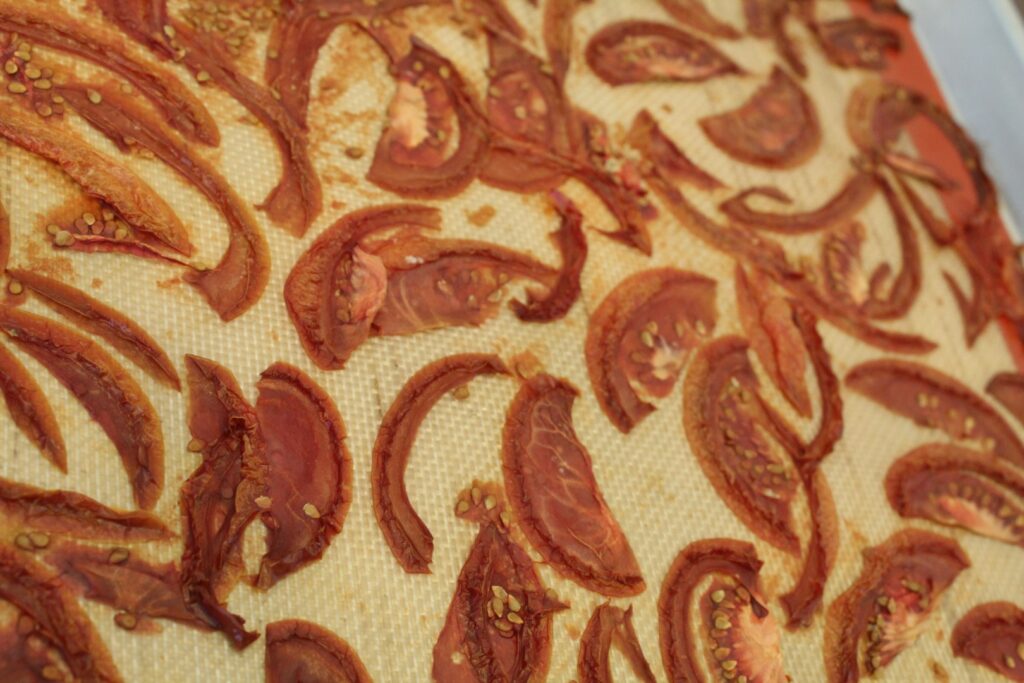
302, 652
992, 634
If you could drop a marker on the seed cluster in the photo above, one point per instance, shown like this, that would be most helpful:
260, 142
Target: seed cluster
723, 601
31, 541
106, 224
25, 77
235, 23
891, 610
503, 609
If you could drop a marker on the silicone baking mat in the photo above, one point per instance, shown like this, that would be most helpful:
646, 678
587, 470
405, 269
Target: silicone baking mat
650, 478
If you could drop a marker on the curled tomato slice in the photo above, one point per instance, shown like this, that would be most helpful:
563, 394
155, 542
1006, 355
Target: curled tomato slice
218, 500
887, 607
777, 127
933, 399
738, 635
309, 469
434, 143
115, 327
857, 43
1008, 389
646, 51
959, 487
30, 410
111, 397
640, 336
553, 492
646, 135
557, 34
991, 635
410, 540
302, 652
695, 14
51, 615
610, 626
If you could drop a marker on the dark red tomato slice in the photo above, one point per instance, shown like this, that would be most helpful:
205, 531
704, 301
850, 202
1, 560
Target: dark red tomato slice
410, 540
52, 617
843, 277
115, 327
959, 487
646, 51
336, 288
695, 14
646, 135
640, 336
933, 399
309, 471
219, 499
73, 514
302, 652
141, 591
498, 626
737, 637
112, 398
30, 410
610, 626
434, 143
847, 202
1008, 389
857, 43
730, 434
553, 492
885, 609
767, 320
992, 635
777, 127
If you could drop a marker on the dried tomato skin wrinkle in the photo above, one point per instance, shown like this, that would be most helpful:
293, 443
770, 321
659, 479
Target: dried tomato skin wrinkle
555, 496
610, 626
299, 651
990, 635
410, 540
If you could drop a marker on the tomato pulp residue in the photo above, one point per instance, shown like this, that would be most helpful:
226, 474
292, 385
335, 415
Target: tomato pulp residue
992, 634
610, 626
302, 652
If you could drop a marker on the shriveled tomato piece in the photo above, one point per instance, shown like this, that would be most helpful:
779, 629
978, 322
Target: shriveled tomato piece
1008, 389
992, 635
777, 127
856, 42
887, 607
767, 19
933, 399
219, 499
498, 625
695, 14
309, 471
956, 486
557, 34
553, 492
646, 135
767, 319
115, 327
410, 540
731, 436
302, 652
645, 51
640, 336
433, 144
610, 626
738, 635
30, 410
113, 399
67, 512
140, 590
51, 616
336, 288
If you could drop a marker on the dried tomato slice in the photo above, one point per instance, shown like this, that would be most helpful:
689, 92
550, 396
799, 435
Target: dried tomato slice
309, 471
992, 634
292, 52
115, 327
218, 500
694, 14
856, 42
98, 175
5, 237
73, 514
410, 541
141, 591
777, 127
54, 618
959, 487
610, 626
1008, 389
555, 496
112, 398
52, 27
557, 34
884, 610
498, 625
767, 19
933, 399
336, 288
645, 51
646, 135
30, 410
850, 199
728, 431
302, 652
434, 143
639, 338
739, 635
